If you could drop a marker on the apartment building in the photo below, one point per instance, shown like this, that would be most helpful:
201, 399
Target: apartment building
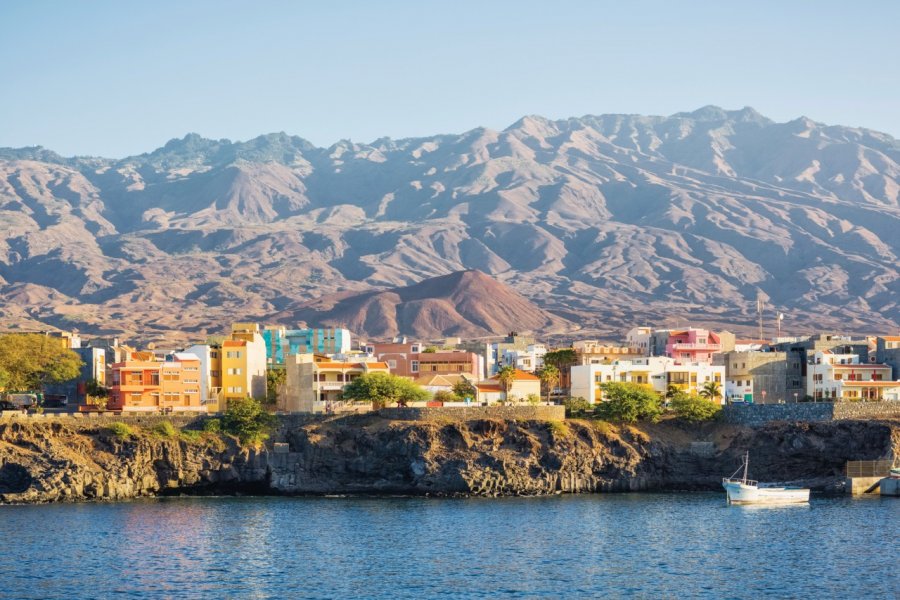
755, 377
314, 383
594, 352
210, 356
658, 372
409, 359
280, 342
800, 353
693, 345
142, 383
843, 377
243, 363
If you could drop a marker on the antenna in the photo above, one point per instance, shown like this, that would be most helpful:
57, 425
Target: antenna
760, 305
778, 321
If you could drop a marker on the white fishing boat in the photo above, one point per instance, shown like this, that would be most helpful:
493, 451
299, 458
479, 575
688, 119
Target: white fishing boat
749, 491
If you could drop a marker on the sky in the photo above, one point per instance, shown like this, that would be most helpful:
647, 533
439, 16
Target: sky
122, 78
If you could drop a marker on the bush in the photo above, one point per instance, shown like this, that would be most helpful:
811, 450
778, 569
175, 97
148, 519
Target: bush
533, 399
629, 403
576, 406
444, 396
164, 429
246, 419
693, 408
559, 429
191, 435
212, 425
121, 430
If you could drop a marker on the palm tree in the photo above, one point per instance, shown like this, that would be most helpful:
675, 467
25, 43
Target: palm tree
711, 390
549, 377
506, 376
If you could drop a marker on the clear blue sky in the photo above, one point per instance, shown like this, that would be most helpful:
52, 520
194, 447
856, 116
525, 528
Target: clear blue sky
119, 78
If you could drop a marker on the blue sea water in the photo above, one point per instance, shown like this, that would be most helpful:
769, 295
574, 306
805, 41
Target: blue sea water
632, 545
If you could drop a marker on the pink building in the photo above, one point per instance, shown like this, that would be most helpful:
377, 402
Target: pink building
693, 345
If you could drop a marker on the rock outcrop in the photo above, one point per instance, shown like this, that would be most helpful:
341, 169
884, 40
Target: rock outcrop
70, 461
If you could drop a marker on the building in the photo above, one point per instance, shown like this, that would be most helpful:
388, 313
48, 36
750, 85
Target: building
280, 342
210, 356
593, 352
491, 390
755, 377
529, 360
658, 372
494, 351
693, 345
800, 354
408, 359
441, 383
243, 358
887, 352
142, 383
74, 391
843, 377
314, 383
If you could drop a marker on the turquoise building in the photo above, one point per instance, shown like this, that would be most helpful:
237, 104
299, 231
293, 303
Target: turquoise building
281, 342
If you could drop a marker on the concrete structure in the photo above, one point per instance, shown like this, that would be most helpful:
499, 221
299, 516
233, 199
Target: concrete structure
529, 360
835, 376
693, 345
801, 351
754, 376
887, 352
759, 414
491, 391
280, 342
243, 359
639, 338
408, 359
658, 372
494, 351
210, 374
314, 383
593, 352
143, 384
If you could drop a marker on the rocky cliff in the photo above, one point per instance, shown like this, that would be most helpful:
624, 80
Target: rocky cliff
59, 461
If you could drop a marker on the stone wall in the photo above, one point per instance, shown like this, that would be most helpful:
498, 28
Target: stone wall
100, 419
510, 413
759, 414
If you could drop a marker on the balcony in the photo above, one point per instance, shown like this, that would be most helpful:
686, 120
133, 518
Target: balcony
331, 386
690, 346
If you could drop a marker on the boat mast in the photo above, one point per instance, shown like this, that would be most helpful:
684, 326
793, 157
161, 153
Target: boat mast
746, 464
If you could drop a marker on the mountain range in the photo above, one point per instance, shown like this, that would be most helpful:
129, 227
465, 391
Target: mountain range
590, 224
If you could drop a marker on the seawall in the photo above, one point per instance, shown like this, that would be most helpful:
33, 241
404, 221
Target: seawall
759, 414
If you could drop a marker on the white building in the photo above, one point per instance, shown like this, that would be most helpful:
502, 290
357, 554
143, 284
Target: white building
210, 389
659, 372
834, 377
529, 360
639, 337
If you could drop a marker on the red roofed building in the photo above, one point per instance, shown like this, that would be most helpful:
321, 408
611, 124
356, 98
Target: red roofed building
491, 390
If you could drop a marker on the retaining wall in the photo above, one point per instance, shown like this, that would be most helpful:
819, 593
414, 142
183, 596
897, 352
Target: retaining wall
759, 414
520, 413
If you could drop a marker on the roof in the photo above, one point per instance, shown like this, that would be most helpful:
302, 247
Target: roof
855, 383
346, 365
862, 366
439, 380
891, 338
521, 376
489, 387
186, 356
234, 343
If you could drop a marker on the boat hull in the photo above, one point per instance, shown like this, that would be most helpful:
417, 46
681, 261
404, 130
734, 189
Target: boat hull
739, 493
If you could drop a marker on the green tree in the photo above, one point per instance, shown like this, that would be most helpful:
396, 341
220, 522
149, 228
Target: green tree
549, 378
32, 360
382, 389
246, 418
275, 380
672, 390
561, 359
430, 350
506, 376
711, 390
463, 389
694, 408
629, 403
576, 406
96, 394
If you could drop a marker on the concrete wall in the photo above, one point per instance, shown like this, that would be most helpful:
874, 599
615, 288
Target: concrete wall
758, 414
521, 413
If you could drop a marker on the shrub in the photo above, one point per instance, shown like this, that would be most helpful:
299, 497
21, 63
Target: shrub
444, 396
382, 389
629, 403
559, 429
576, 406
121, 430
246, 418
693, 408
191, 435
164, 429
212, 425
533, 399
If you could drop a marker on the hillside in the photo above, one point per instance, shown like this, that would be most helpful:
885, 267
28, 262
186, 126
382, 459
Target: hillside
603, 220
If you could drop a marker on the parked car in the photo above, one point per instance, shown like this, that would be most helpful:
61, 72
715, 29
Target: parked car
7, 405
22, 400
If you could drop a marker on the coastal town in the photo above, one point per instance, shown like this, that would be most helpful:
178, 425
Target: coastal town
309, 370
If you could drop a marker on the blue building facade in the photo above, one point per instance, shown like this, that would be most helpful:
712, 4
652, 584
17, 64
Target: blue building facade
280, 342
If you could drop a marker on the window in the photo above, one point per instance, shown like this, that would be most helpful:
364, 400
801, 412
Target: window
233, 371
214, 354
235, 389
415, 349
213, 373
392, 364
414, 366
233, 354
743, 365
191, 381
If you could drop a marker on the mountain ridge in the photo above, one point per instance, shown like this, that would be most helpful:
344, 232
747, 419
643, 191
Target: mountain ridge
605, 219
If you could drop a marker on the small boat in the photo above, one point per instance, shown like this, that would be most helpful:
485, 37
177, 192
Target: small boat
748, 491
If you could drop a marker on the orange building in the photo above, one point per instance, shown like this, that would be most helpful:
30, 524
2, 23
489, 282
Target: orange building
142, 383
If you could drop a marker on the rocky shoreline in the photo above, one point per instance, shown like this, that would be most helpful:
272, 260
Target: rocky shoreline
69, 460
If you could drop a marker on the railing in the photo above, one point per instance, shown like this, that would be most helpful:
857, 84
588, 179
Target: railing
868, 468
741, 481
694, 346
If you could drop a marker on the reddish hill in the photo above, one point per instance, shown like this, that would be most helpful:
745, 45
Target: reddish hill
465, 303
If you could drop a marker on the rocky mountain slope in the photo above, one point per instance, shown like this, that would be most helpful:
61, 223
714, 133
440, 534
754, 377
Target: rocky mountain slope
71, 460
605, 220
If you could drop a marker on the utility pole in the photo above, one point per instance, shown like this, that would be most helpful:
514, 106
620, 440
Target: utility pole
760, 305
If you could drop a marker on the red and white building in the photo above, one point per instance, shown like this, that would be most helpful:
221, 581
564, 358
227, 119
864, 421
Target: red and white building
835, 377
693, 345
